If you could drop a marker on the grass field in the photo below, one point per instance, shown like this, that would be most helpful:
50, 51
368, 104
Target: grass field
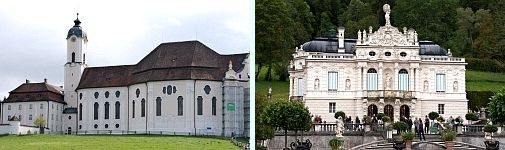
112, 142
484, 81
475, 81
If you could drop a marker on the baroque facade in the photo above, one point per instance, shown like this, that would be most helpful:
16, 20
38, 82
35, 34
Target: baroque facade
385, 71
178, 88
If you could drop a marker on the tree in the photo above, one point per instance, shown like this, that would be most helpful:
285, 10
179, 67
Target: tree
358, 16
432, 115
274, 34
340, 114
41, 123
263, 131
496, 107
288, 115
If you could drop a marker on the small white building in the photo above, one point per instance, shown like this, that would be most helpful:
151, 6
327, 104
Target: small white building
384, 71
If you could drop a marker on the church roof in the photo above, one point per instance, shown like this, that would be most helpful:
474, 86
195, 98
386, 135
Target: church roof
76, 29
169, 61
28, 92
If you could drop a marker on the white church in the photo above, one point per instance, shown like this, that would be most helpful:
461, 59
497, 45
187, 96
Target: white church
181, 88
385, 71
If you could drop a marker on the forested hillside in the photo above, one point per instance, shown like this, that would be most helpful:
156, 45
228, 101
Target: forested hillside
471, 29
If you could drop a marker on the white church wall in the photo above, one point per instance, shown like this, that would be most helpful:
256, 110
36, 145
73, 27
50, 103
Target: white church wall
207, 123
88, 100
137, 122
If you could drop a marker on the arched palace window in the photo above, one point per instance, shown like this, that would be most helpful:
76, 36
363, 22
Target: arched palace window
372, 79
403, 80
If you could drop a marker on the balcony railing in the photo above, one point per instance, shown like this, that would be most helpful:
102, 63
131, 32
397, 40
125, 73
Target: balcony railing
389, 94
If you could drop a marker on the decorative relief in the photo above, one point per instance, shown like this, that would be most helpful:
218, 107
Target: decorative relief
455, 86
425, 86
348, 84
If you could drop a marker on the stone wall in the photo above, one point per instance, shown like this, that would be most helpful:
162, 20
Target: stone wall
320, 142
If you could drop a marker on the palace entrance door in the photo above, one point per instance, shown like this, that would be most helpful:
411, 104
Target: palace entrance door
389, 111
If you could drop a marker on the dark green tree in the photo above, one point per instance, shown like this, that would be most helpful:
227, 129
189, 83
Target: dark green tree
326, 25
262, 131
358, 16
496, 107
274, 34
288, 115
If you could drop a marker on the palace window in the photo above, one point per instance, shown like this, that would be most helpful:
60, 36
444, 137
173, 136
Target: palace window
117, 107
440, 86
372, 79
20, 107
133, 109
441, 108
403, 80
332, 81
80, 111
180, 107
214, 106
9, 107
332, 107
300, 86
403, 54
372, 53
143, 108
158, 106
29, 117
31, 106
200, 105
95, 112
106, 110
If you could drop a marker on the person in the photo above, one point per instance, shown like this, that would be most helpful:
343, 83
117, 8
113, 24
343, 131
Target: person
416, 124
409, 122
421, 131
426, 124
358, 126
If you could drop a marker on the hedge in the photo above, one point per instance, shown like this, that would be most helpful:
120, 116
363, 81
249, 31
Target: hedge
478, 99
488, 65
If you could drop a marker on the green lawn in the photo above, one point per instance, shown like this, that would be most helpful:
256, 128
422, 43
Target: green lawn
484, 81
475, 81
112, 142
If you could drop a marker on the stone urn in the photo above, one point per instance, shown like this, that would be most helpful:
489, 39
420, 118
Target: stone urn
449, 145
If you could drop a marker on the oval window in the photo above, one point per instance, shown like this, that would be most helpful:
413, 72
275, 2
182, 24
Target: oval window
372, 53
403, 54
388, 54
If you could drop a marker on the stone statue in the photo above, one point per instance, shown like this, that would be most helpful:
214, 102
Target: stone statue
387, 10
425, 86
339, 130
388, 81
455, 86
316, 85
348, 84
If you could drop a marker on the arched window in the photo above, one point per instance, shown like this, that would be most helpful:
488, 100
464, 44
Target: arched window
214, 100
133, 109
73, 57
117, 109
199, 105
106, 110
95, 112
80, 111
403, 80
180, 109
158, 106
143, 108
372, 79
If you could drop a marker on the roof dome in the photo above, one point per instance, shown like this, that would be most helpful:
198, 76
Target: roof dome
328, 45
431, 48
76, 29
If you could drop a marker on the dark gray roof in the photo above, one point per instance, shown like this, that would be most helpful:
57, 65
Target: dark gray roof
76, 30
330, 45
431, 48
70, 111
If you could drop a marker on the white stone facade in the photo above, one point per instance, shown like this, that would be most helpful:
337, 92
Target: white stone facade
380, 70
27, 112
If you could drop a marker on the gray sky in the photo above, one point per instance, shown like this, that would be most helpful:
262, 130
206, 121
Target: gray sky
32, 33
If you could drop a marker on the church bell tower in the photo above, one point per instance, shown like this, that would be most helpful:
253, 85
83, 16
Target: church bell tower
76, 61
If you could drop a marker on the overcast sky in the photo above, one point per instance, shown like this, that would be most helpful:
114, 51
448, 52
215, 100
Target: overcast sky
33, 44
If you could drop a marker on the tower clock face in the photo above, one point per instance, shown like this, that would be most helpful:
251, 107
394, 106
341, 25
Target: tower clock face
72, 39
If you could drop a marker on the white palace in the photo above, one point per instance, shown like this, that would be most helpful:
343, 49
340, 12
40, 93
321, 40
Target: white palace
384, 71
178, 88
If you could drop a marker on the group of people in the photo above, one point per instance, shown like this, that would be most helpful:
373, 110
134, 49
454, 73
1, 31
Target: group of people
420, 126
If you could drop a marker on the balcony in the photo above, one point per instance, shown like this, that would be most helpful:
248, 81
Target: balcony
375, 94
